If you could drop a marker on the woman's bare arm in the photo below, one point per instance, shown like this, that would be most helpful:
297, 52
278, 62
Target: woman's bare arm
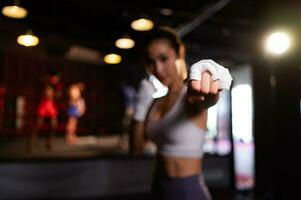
137, 140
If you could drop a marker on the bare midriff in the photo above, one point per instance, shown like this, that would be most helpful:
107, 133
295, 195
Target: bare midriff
178, 166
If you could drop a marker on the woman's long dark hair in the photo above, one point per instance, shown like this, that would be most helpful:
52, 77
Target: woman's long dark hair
169, 35
164, 33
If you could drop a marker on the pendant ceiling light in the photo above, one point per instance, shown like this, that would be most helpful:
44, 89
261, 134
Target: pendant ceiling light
112, 58
28, 39
125, 43
142, 24
14, 11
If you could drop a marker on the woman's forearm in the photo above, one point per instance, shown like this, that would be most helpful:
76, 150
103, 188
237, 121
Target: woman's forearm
136, 138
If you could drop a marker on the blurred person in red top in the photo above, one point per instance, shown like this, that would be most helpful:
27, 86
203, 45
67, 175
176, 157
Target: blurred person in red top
47, 110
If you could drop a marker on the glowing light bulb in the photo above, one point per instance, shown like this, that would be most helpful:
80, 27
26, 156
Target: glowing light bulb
125, 43
28, 40
142, 24
278, 43
112, 58
14, 11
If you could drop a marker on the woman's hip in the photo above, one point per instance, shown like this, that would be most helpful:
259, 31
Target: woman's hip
180, 188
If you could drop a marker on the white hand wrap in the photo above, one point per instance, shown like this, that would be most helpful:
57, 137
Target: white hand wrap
218, 73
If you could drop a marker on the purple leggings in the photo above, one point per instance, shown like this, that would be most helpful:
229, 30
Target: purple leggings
186, 188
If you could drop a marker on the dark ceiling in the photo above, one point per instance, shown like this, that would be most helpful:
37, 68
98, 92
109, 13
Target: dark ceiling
223, 29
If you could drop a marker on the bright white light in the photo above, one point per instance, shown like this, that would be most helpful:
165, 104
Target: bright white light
212, 121
28, 40
278, 43
242, 113
125, 43
142, 24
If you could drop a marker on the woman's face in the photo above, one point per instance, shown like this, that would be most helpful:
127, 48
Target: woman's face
49, 92
75, 92
162, 61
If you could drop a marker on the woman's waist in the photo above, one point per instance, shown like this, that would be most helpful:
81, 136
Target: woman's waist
171, 166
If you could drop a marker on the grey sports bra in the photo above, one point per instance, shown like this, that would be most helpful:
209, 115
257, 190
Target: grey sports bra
175, 134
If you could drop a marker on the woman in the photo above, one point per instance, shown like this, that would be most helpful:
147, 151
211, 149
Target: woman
177, 121
76, 109
47, 110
